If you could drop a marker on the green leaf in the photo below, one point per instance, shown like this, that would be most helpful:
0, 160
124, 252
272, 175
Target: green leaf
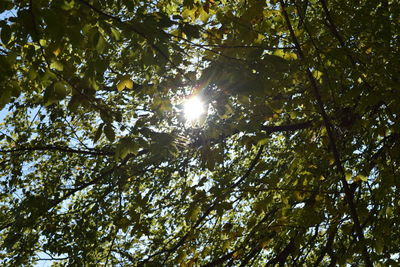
191, 31
203, 193
5, 34
101, 44
99, 132
5, 5
109, 132
123, 223
5, 97
275, 62
57, 65
204, 16
189, 13
32, 74
60, 90
115, 34
126, 146
55, 92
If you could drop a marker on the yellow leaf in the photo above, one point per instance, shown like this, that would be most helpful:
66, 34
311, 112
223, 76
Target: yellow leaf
331, 160
317, 75
236, 254
189, 13
42, 42
360, 178
299, 196
279, 53
124, 83
204, 16
57, 51
290, 56
259, 39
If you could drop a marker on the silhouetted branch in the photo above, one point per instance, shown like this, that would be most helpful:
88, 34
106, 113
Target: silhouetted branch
93, 152
349, 195
287, 128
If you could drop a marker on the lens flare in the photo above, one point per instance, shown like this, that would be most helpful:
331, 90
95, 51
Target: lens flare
194, 108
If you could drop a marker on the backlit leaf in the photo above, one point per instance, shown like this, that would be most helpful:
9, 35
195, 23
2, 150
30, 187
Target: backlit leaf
124, 83
5, 34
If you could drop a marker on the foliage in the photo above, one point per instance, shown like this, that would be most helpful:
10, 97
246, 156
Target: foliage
294, 164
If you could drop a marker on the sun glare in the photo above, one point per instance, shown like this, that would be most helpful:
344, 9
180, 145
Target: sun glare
193, 108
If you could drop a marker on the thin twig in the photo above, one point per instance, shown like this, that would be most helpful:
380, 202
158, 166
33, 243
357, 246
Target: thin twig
93, 152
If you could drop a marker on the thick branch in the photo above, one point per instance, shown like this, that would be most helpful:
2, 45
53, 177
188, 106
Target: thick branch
328, 126
287, 128
281, 257
268, 129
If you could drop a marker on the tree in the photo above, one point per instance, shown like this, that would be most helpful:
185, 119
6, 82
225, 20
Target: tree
296, 161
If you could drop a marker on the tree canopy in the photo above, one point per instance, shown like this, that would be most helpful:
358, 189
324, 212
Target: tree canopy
294, 161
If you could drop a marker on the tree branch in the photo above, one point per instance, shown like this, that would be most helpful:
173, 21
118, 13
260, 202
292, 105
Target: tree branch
335, 32
333, 29
83, 185
93, 152
205, 214
281, 257
349, 195
268, 129
250, 169
328, 246
287, 128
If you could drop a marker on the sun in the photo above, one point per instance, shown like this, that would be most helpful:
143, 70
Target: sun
193, 108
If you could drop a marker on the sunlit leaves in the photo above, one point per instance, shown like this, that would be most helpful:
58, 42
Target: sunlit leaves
126, 146
124, 83
57, 65
100, 165
115, 34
